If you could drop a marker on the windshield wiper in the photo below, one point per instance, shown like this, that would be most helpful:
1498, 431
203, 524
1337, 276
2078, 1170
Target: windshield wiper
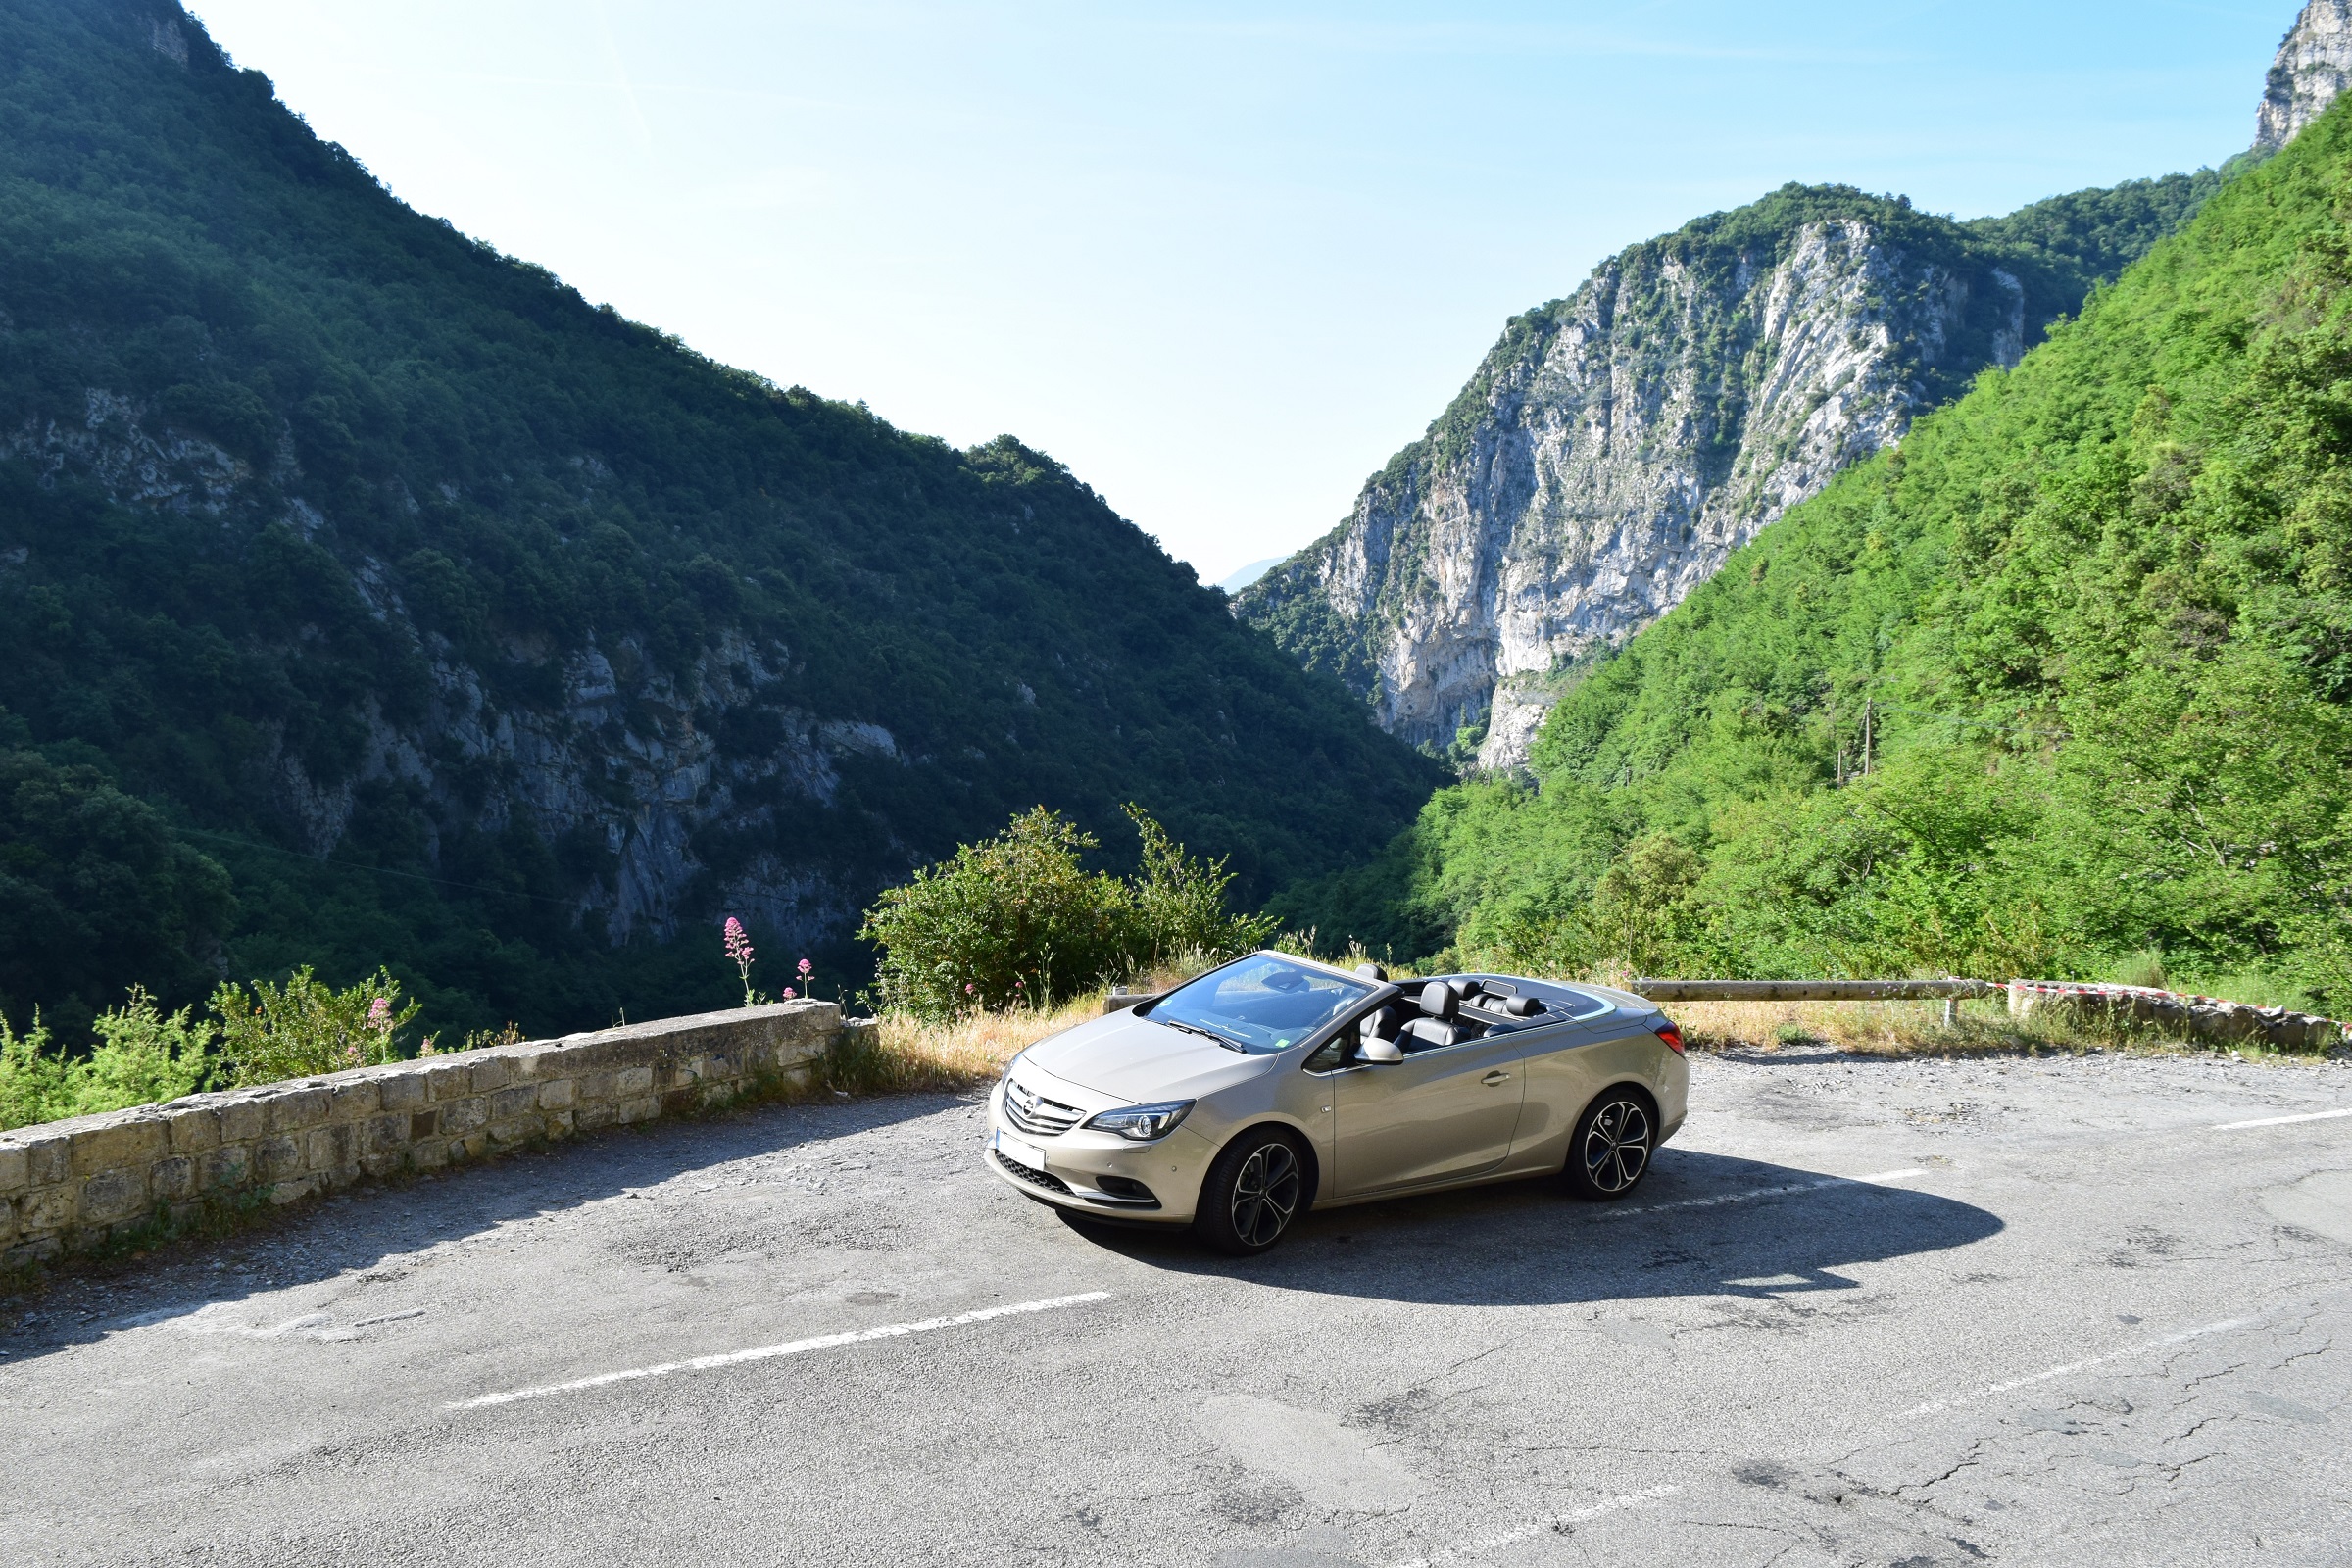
1205, 1034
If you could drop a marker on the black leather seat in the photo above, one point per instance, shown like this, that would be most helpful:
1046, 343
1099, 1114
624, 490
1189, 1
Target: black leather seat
1437, 1025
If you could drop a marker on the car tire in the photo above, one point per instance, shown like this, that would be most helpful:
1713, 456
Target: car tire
1253, 1191
1611, 1150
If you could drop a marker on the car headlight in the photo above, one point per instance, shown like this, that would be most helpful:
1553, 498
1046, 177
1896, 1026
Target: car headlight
1142, 1123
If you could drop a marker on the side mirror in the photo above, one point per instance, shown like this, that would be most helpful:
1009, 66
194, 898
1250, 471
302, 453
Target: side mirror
1378, 1051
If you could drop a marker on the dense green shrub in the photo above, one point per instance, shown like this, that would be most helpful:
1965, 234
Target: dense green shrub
1016, 920
303, 1027
140, 1056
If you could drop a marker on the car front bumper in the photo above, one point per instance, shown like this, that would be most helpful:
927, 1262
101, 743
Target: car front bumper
1158, 1182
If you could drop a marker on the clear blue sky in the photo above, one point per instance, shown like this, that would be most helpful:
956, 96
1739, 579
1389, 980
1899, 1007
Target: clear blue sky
1221, 260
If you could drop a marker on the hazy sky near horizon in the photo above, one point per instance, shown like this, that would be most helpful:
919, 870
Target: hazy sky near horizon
1221, 260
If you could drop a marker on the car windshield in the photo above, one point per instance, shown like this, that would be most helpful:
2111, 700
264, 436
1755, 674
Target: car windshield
1260, 1005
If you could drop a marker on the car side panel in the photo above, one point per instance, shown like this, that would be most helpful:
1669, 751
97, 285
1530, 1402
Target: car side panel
1437, 1115
1562, 1081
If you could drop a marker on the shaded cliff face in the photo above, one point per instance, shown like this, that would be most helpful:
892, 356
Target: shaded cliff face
1617, 445
2313, 67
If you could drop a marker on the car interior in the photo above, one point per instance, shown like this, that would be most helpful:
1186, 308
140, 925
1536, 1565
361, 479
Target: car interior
1449, 1012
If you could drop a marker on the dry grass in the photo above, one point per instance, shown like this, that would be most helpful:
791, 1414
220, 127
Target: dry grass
1982, 1027
911, 1055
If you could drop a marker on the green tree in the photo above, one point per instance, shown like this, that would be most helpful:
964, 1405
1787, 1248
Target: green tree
1012, 920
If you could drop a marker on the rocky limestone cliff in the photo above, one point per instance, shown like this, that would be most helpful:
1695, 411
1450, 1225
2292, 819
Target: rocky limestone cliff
2313, 67
618, 755
1617, 445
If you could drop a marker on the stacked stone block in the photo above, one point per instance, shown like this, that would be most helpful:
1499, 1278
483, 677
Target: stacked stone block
2196, 1017
73, 1186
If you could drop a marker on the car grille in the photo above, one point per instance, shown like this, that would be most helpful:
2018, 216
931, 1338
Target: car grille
1035, 1178
1035, 1113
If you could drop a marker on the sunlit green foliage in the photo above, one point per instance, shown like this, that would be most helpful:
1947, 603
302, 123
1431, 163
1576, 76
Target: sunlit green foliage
2090, 630
301, 1027
140, 1056
1016, 920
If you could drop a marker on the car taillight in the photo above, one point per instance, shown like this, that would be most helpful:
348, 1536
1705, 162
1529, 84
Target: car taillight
1672, 1035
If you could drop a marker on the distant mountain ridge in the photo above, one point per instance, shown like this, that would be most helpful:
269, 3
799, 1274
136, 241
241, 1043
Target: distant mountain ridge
1616, 446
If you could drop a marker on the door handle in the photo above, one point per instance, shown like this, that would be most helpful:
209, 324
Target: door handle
1496, 1077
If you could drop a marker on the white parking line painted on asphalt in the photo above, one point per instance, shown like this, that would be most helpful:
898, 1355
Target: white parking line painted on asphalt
769, 1352
389, 1317
1717, 1200
2281, 1121
1512, 1538
2128, 1350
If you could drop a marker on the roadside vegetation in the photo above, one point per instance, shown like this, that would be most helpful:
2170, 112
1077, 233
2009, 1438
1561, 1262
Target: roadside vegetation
1016, 920
257, 1033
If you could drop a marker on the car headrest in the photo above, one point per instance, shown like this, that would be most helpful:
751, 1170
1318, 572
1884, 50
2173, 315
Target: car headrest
1371, 971
1522, 1006
1439, 1000
1379, 1024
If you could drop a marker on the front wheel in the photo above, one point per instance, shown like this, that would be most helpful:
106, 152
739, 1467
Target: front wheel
1254, 1191
1610, 1153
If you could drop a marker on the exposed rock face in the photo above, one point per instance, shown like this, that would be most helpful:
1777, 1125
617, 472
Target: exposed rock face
2313, 67
621, 758
1616, 446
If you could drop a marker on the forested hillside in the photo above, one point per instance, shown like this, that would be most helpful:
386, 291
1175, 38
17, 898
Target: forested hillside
367, 596
2056, 688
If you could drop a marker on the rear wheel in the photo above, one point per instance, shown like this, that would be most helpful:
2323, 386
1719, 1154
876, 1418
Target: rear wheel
1254, 1191
1610, 1153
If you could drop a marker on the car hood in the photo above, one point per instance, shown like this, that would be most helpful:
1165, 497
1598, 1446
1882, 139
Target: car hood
1138, 1061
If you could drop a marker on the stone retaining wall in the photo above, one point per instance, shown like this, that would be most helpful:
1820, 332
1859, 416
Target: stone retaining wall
2197, 1017
73, 1186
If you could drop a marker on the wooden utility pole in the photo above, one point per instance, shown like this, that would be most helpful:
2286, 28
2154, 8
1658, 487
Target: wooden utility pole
1866, 716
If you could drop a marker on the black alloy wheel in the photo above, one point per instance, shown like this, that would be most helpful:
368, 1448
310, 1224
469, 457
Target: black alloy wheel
1611, 1150
1253, 1192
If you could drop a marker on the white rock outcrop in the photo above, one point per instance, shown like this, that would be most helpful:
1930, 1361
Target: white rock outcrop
2314, 66
1613, 449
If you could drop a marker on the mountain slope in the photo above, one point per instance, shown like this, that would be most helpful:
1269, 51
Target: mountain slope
473, 628
2059, 686
1615, 446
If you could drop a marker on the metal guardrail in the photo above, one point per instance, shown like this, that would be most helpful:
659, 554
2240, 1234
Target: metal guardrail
1814, 990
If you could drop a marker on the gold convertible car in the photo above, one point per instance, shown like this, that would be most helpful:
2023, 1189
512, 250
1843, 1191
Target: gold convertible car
1277, 1084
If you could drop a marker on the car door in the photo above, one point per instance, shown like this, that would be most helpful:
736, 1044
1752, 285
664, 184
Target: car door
1565, 1065
1444, 1112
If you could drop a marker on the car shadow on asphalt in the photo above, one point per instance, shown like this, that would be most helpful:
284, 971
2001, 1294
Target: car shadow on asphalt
357, 1229
1702, 1225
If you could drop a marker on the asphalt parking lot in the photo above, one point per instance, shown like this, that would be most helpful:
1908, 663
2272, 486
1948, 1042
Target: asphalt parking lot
1864, 1312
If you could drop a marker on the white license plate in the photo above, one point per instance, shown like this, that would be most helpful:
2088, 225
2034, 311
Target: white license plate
1021, 1154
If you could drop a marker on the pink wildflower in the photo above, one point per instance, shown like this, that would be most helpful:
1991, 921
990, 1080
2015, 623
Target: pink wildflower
806, 966
739, 952
379, 1014
788, 993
